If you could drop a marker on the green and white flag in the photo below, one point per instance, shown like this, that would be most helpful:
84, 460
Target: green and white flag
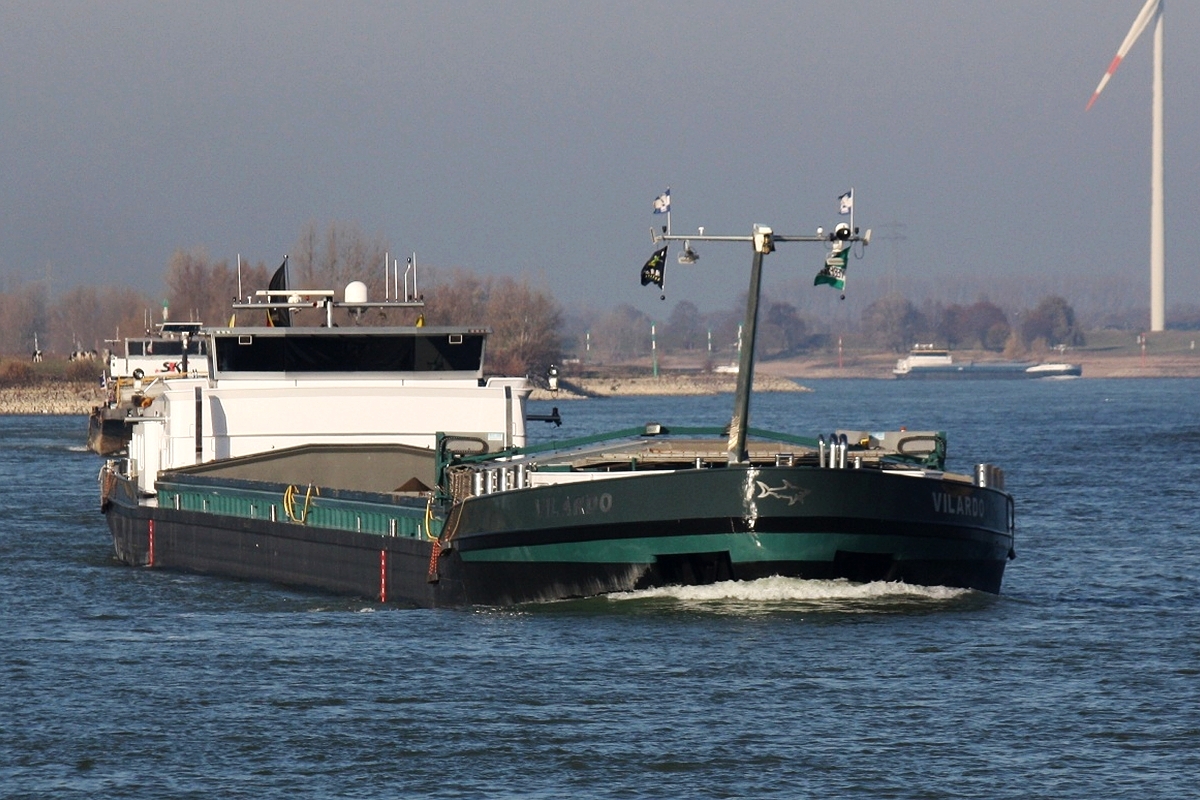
834, 272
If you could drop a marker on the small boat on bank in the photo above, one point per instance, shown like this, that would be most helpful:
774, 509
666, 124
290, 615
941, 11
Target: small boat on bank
929, 362
136, 373
385, 463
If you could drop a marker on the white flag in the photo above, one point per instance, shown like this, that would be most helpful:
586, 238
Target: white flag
846, 202
662, 203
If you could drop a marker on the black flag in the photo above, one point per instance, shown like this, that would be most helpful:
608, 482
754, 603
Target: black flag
653, 271
278, 317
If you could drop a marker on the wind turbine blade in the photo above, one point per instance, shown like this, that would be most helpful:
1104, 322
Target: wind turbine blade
1116, 62
1139, 24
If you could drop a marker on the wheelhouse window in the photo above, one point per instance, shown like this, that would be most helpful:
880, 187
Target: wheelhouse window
348, 352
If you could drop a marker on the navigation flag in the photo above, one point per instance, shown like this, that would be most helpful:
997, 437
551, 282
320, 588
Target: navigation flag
278, 317
653, 271
834, 273
846, 202
662, 203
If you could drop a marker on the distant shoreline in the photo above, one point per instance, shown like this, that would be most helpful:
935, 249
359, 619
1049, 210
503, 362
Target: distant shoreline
78, 399
1095, 365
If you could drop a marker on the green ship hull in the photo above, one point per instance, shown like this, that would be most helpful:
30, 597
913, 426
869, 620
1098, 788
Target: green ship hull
739, 523
605, 532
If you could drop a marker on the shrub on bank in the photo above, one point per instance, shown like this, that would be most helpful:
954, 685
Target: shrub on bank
15, 373
21, 372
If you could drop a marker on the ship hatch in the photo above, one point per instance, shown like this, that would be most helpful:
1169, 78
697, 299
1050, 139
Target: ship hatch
863, 567
693, 569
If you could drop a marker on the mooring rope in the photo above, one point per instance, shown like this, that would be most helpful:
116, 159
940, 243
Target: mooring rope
289, 502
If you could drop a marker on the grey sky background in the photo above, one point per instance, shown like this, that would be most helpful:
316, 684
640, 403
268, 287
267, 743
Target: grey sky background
530, 138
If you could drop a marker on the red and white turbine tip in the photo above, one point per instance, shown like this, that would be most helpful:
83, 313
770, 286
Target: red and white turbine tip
1148, 12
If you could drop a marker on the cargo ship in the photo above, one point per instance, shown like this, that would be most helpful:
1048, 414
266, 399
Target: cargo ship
385, 463
929, 362
136, 373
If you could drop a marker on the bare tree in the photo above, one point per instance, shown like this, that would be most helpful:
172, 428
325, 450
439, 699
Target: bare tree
981, 324
623, 333
893, 322
86, 317
684, 329
1053, 320
724, 326
341, 254
201, 290
579, 320
189, 282
782, 329
525, 322
458, 297
24, 313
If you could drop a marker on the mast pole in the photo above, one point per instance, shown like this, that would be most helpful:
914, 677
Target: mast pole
745, 382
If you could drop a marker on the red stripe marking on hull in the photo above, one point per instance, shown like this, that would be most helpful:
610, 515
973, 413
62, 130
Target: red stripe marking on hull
383, 576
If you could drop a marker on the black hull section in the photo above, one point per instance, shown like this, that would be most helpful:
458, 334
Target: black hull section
404, 571
507, 582
606, 536
386, 569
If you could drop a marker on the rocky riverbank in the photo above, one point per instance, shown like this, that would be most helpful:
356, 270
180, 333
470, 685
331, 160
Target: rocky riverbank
64, 399
673, 384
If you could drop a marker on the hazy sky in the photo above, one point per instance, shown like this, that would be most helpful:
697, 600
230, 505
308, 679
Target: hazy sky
530, 138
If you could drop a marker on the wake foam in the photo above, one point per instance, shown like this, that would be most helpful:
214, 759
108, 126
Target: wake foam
777, 593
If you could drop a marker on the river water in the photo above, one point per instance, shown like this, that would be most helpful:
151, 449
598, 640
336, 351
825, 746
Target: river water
1082, 680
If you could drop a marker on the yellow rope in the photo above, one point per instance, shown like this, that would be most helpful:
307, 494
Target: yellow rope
429, 518
289, 502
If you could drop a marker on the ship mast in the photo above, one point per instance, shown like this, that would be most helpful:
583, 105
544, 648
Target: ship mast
763, 239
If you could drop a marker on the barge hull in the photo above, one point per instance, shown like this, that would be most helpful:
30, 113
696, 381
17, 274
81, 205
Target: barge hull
385, 569
405, 571
622, 534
